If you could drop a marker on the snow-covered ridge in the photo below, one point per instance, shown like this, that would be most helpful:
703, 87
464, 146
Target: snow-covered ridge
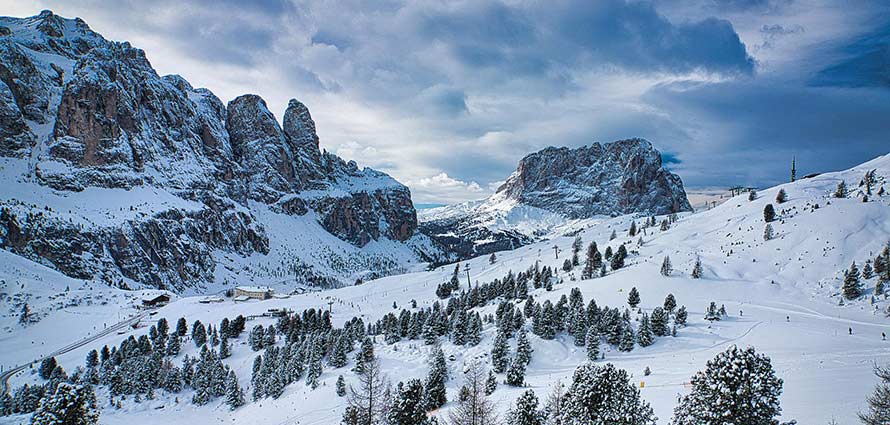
113, 171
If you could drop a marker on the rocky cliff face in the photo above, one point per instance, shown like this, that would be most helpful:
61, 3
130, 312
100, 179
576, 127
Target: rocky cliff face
85, 118
621, 177
555, 186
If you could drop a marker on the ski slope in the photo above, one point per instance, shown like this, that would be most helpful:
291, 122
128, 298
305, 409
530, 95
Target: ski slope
782, 296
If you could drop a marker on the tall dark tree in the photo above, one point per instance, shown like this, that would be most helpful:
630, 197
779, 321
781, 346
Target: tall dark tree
738, 386
852, 286
68, 405
407, 407
633, 297
434, 395
500, 353
769, 213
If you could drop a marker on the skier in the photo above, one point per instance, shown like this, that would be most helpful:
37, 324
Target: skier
787, 318
883, 336
850, 330
741, 313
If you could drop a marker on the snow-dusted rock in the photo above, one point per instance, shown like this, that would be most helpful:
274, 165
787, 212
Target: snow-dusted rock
555, 188
80, 115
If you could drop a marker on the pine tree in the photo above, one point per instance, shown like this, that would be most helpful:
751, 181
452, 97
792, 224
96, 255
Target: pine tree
644, 333
867, 272
47, 366
68, 405
628, 338
526, 410
407, 407
680, 317
523, 347
199, 333
670, 303
234, 394
604, 395
338, 354
768, 233
841, 191
737, 387
593, 262
225, 349
576, 249
500, 353
781, 196
567, 265
712, 313
492, 258
879, 401
593, 344
617, 261
181, 327
697, 271
633, 229
659, 321
474, 408
852, 288
516, 373
752, 195
434, 387
341, 386
173, 346
769, 213
491, 384
666, 267
633, 298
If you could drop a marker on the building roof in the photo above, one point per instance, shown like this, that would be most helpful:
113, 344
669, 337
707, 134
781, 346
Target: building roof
254, 288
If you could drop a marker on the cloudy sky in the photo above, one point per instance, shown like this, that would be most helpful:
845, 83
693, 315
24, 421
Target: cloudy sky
448, 96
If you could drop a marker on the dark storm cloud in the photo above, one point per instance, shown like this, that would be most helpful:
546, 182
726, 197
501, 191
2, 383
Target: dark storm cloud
865, 62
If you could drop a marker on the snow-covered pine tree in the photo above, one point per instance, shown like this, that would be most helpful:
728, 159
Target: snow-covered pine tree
69, 405
526, 412
500, 353
576, 249
769, 213
225, 349
234, 394
593, 344
852, 287
738, 386
628, 338
666, 267
407, 406
338, 356
670, 303
633, 297
567, 265
340, 386
523, 347
633, 229
434, 395
199, 333
516, 373
491, 384
697, 270
752, 195
604, 395
46, 368
492, 258
680, 317
841, 191
617, 261
712, 313
659, 321
644, 332
768, 233
781, 196
867, 272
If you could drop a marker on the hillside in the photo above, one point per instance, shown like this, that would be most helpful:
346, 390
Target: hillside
782, 296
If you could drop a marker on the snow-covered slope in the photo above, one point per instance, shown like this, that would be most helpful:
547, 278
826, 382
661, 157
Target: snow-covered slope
113, 172
782, 297
556, 191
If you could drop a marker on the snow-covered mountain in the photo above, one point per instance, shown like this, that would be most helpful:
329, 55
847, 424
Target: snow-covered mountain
557, 190
112, 171
783, 296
